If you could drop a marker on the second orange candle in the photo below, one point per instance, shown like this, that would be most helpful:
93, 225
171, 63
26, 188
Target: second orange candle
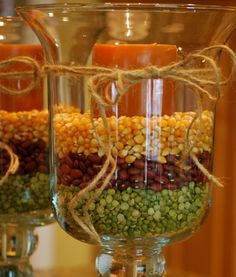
34, 99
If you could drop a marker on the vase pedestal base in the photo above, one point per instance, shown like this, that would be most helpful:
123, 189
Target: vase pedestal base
17, 244
136, 262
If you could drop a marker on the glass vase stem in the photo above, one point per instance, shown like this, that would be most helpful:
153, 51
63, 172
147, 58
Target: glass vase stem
131, 262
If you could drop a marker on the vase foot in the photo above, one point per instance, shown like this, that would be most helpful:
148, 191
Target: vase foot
16, 270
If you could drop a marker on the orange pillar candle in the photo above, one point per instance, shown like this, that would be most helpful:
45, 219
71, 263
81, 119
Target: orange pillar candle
150, 96
33, 99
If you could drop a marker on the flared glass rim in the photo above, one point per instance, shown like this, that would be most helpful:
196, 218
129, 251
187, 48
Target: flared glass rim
107, 6
9, 18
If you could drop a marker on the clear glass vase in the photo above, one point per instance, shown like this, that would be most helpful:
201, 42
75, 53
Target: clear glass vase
24, 166
131, 161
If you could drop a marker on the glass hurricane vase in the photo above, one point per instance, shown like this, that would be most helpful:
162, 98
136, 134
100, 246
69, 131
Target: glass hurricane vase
132, 155
24, 166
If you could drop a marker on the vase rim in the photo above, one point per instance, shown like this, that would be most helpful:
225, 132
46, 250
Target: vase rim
10, 18
107, 6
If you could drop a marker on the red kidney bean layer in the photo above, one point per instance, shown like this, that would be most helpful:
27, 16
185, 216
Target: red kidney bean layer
33, 157
78, 170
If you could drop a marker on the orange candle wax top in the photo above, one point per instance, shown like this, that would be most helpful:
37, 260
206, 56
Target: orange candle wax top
158, 97
34, 99
12, 50
132, 56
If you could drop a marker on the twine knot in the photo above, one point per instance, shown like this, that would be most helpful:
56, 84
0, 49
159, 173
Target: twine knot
156, 72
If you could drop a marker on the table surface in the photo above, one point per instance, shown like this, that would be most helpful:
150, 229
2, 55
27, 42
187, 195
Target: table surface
81, 272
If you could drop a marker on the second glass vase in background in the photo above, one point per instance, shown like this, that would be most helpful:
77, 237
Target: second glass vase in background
130, 172
24, 193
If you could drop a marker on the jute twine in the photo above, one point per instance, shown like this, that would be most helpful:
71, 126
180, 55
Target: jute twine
205, 79
14, 162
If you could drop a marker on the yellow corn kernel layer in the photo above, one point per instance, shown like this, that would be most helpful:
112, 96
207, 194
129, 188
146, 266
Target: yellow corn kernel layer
132, 137
30, 125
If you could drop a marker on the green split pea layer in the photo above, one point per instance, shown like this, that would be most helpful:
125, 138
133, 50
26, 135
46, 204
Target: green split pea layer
138, 212
24, 193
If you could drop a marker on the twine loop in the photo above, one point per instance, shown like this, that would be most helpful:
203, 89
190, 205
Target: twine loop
34, 74
14, 162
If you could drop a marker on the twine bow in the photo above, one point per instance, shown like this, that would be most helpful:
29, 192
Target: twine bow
179, 71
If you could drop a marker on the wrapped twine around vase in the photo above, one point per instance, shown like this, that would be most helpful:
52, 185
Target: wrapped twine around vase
14, 162
200, 80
